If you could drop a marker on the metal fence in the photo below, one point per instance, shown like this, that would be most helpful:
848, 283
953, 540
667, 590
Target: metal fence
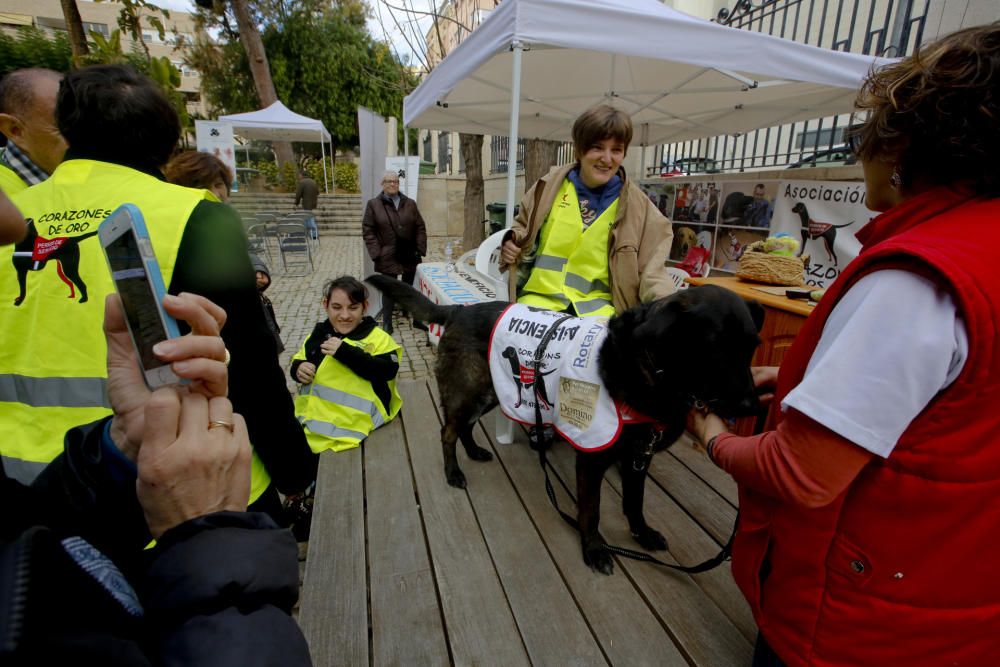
877, 27
498, 154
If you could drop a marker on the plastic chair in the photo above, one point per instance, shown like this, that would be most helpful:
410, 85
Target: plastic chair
679, 276
293, 239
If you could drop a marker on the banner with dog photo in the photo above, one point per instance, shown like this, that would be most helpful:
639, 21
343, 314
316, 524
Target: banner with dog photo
823, 216
661, 193
696, 209
745, 217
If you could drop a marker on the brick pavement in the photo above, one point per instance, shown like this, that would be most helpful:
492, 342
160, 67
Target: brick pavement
297, 298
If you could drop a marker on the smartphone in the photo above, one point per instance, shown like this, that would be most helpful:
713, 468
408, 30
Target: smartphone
137, 277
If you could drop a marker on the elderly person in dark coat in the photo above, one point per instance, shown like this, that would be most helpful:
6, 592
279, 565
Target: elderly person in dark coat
396, 238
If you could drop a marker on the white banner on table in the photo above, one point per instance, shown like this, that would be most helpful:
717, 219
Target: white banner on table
450, 285
824, 216
217, 138
408, 169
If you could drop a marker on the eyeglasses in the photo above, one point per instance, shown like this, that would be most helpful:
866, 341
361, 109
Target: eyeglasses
390, 182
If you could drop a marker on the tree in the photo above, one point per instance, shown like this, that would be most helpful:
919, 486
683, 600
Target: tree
30, 47
471, 146
74, 26
539, 156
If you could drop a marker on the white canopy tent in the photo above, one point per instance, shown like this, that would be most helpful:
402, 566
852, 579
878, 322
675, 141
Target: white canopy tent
534, 65
278, 123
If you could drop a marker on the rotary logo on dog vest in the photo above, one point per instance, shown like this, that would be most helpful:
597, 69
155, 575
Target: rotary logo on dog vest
567, 385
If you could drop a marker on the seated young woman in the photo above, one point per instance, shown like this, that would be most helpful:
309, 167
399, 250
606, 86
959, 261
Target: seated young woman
347, 367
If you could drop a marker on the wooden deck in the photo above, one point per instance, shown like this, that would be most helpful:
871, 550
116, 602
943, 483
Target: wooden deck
406, 570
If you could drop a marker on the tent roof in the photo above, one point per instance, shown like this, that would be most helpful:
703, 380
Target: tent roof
678, 76
276, 123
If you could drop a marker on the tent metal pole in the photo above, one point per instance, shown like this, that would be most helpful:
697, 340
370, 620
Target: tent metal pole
322, 154
515, 109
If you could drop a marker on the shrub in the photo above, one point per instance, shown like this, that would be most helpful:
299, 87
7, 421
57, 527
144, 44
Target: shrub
345, 177
289, 176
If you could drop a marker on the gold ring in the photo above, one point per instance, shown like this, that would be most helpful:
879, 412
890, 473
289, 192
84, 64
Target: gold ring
216, 423
228, 357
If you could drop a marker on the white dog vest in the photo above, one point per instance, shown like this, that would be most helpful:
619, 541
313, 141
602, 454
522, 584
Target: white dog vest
569, 389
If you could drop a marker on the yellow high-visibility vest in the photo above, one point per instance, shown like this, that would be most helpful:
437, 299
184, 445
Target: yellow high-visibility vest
571, 265
10, 182
53, 355
338, 409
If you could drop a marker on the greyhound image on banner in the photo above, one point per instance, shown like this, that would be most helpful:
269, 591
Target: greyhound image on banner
823, 216
217, 138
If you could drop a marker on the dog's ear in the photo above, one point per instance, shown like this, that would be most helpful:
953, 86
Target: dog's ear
756, 313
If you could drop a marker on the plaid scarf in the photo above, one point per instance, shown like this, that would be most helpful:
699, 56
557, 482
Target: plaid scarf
21, 164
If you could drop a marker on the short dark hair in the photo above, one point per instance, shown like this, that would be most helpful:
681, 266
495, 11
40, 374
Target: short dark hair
197, 169
934, 114
115, 114
600, 123
353, 288
17, 91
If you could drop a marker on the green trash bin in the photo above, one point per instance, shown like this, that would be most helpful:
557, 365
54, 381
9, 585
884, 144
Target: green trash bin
498, 215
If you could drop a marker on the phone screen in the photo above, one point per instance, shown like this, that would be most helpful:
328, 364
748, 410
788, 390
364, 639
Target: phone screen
138, 298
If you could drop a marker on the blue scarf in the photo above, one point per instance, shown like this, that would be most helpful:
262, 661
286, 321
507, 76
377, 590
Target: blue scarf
594, 201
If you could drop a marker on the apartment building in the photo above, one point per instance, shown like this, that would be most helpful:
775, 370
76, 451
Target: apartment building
102, 17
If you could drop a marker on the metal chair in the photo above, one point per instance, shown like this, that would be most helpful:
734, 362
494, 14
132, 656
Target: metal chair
257, 241
293, 239
302, 216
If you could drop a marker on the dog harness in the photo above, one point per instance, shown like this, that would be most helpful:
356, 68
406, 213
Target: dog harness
571, 396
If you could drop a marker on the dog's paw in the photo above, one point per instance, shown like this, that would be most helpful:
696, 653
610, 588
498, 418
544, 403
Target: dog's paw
652, 540
598, 558
455, 478
480, 454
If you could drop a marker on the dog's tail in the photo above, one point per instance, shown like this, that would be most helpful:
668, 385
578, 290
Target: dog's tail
418, 305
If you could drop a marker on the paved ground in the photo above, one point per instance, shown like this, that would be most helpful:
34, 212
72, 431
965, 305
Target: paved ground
296, 295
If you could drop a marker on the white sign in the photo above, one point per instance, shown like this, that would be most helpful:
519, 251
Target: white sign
408, 169
217, 138
454, 284
823, 216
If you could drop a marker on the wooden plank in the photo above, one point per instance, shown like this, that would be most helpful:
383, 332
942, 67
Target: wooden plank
628, 631
406, 619
705, 613
478, 619
712, 512
334, 610
684, 450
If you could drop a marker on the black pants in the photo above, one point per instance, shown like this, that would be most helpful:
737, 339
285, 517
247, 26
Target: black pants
764, 655
388, 303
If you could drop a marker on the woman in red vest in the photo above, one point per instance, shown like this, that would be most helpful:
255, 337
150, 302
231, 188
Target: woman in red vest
870, 518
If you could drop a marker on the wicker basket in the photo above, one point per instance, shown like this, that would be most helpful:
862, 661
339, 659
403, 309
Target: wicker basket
759, 266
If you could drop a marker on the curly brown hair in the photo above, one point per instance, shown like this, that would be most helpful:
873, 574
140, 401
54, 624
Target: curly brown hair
196, 169
936, 114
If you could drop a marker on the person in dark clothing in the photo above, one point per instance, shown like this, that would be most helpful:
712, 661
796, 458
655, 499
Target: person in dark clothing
77, 585
307, 194
263, 282
348, 369
123, 129
396, 238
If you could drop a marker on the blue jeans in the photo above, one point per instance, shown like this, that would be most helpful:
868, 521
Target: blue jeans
310, 224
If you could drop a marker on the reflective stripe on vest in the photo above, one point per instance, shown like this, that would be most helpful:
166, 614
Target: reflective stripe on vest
10, 182
52, 347
571, 266
339, 409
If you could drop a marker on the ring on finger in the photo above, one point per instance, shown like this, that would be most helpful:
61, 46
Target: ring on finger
220, 423
228, 356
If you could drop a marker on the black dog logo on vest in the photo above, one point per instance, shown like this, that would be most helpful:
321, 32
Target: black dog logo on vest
34, 252
525, 378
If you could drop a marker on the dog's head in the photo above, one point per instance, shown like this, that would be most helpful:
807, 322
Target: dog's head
695, 345
735, 206
799, 208
684, 240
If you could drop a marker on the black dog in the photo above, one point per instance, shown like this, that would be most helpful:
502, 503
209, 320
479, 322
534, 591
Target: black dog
34, 252
814, 230
658, 358
734, 208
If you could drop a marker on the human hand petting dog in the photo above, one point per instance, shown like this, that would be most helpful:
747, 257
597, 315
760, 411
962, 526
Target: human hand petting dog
306, 372
199, 357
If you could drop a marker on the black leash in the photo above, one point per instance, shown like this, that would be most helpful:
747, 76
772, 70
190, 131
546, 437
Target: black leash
647, 456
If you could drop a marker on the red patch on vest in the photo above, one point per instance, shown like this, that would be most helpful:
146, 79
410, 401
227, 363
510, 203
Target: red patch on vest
45, 247
818, 228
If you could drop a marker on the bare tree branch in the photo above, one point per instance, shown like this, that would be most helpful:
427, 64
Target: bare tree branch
434, 14
420, 54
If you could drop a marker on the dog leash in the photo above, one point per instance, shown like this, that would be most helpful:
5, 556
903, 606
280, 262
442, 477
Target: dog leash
647, 456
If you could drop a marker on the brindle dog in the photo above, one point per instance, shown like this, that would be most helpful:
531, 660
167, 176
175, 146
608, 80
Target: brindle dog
659, 358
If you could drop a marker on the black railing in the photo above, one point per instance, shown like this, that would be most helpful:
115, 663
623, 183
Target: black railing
498, 154
875, 27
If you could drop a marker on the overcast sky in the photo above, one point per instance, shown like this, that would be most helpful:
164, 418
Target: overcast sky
388, 32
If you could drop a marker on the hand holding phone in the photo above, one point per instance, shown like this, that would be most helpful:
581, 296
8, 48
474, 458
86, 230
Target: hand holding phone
136, 275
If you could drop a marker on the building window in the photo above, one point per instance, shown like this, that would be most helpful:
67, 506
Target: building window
428, 154
101, 28
444, 152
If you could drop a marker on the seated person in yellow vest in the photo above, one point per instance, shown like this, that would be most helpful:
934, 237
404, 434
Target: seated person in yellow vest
27, 121
347, 368
123, 129
586, 240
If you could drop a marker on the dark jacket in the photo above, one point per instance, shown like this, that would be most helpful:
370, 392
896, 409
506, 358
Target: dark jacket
76, 586
396, 240
272, 321
307, 193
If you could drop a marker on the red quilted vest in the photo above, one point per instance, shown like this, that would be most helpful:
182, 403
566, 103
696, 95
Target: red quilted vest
901, 568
